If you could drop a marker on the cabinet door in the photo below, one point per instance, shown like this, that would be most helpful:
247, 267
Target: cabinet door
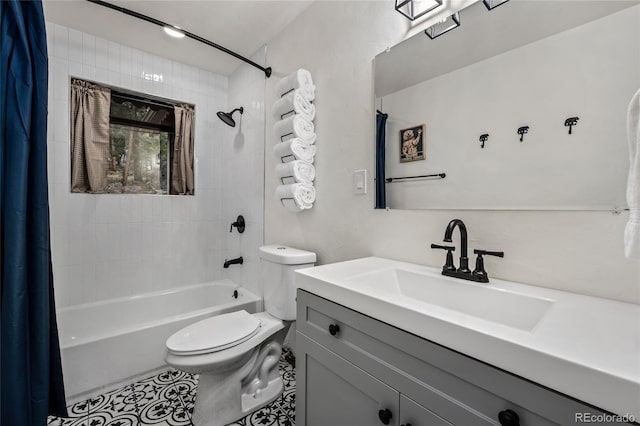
455, 387
413, 414
332, 391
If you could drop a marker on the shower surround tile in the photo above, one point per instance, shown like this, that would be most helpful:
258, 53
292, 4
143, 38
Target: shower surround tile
77, 54
167, 399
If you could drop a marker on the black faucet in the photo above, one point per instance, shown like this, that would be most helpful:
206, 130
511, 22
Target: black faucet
464, 260
463, 271
236, 261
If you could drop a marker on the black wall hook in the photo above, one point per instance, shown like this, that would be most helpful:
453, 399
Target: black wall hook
570, 122
523, 131
483, 139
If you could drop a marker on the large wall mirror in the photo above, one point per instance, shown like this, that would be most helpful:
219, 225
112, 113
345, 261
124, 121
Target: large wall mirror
520, 107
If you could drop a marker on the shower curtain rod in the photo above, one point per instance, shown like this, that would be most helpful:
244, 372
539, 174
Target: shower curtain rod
267, 70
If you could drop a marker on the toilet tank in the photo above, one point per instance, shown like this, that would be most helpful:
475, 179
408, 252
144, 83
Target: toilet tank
278, 263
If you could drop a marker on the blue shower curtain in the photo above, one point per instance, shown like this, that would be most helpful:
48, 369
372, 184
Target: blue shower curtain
30, 370
381, 138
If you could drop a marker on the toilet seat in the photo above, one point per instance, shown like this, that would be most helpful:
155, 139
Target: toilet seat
214, 334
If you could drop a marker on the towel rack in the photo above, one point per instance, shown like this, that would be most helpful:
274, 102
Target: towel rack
290, 157
287, 114
437, 175
617, 210
282, 179
287, 92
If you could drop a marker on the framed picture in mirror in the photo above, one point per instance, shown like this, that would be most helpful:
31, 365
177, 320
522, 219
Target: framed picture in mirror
412, 144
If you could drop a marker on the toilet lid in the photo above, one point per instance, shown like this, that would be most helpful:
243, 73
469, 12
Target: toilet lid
214, 334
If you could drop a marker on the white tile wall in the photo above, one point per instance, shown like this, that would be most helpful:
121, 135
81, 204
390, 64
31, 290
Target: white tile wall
243, 190
107, 246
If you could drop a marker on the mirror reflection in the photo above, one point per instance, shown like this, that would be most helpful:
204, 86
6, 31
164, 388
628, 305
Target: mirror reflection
520, 107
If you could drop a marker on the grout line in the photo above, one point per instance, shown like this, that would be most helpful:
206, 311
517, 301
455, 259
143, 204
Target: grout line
135, 403
184, 405
88, 405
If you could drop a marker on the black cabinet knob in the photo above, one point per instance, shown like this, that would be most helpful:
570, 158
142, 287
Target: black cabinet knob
385, 416
334, 329
508, 418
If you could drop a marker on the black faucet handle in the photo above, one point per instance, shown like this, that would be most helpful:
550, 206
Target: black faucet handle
448, 265
479, 273
438, 246
489, 253
239, 224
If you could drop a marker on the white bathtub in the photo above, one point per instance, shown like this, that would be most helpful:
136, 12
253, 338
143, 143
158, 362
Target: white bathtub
106, 344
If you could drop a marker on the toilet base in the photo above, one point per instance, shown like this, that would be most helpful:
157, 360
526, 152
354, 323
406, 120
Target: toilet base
251, 403
224, 398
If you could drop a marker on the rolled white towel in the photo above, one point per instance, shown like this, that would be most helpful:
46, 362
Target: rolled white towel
301, 80
632, 235
297, 171
295, 126
297, 196
294, 102
632, 230
294, 149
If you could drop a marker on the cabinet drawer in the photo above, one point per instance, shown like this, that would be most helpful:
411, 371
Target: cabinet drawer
460, 389
335, 392
414, 414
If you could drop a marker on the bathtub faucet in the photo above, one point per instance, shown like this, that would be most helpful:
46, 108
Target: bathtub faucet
237, 261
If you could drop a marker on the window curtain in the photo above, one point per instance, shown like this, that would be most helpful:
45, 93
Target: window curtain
90, 105
381, 137
182, 177
30, 368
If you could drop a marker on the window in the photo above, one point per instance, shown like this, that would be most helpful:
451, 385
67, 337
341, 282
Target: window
140, 132
124, 142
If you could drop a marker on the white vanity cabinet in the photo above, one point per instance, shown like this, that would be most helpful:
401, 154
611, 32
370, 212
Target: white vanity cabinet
355, 370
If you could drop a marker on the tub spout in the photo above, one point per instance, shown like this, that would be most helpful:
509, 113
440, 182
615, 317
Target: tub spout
236, 261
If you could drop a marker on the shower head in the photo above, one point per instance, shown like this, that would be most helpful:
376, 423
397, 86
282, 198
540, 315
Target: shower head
227, 118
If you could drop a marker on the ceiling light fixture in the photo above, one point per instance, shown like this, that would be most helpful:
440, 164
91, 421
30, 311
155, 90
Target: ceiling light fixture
492, 4
173, 31
414, 9
444, 26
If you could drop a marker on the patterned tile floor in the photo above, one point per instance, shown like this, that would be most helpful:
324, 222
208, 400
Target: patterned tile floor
168, 399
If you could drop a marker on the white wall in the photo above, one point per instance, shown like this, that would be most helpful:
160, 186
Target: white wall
578, 72
107, 246
243, 183
580, 252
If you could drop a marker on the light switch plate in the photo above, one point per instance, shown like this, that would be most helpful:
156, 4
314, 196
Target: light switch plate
360, 182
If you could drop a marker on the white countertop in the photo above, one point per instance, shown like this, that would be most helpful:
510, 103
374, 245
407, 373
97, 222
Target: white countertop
585, 347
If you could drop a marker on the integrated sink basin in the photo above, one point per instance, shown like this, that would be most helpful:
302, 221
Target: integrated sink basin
478, 300
585, 347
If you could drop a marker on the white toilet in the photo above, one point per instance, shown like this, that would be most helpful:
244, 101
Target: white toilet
237, 354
